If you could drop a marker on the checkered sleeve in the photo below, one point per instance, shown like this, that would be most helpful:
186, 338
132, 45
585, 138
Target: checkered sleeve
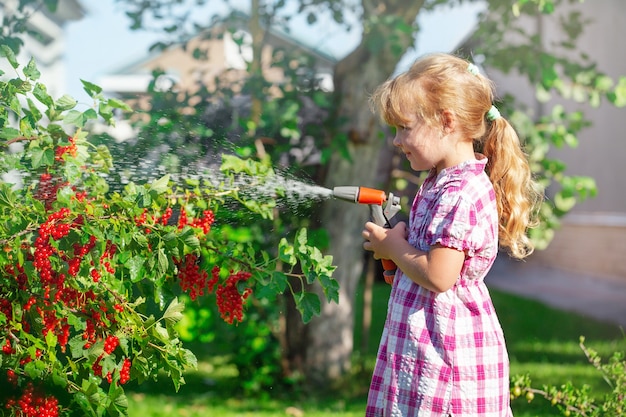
453, 224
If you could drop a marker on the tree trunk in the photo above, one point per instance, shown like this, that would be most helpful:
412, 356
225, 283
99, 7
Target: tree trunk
330, 343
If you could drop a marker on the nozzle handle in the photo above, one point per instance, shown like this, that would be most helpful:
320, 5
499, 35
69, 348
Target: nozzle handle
378, 216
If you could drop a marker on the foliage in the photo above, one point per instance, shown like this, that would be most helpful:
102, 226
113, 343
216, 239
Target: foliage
90, 278
195, 126
580, 401
560, 70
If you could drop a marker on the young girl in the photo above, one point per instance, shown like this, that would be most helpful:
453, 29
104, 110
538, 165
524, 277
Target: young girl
442, 351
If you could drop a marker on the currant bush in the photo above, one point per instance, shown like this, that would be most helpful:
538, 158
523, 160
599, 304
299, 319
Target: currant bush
90, 277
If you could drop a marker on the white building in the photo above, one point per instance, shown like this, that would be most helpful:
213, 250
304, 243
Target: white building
48, 46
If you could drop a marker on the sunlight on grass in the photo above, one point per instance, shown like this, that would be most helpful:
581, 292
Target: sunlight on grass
142, 405
542, 342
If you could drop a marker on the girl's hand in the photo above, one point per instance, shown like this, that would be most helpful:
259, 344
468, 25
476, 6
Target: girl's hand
382, 241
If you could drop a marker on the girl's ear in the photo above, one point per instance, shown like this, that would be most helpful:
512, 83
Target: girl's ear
448, 121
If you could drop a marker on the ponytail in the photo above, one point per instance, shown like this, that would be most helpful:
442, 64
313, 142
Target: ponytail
517, 195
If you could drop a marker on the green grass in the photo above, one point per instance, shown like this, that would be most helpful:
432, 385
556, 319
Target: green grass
542, 342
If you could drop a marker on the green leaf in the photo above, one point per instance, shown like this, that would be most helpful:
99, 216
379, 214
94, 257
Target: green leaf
135, 267
308, 304
301, 241
89, 114
66, 102
330, 287
41, 93
174, 312
143, 198
160, 185
618, 96
15, 105
77, 347
31, 71
286, 252
32, 370
7, 195
564, 202
52, 5
35, 114
91, 89
74, 117
41, 157
119, 104
192, 240
279, 282
51, 340
162, 262
8, 53
9, 133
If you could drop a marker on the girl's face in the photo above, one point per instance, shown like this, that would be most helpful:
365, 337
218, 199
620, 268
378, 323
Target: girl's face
423, 145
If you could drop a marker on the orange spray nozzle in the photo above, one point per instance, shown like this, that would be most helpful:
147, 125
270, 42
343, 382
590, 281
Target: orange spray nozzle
382, 210
371, 196
382, 207
361, 195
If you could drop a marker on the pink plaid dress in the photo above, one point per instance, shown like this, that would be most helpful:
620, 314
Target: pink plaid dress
444, 355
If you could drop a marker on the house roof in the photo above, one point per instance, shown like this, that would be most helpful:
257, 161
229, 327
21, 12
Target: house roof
239, 19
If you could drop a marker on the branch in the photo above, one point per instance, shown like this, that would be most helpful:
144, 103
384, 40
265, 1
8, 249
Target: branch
19, 139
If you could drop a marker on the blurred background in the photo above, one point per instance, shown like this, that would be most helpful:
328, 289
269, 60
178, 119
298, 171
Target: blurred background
289, 81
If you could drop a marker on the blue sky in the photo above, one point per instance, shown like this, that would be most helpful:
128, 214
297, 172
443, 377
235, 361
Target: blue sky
101, 42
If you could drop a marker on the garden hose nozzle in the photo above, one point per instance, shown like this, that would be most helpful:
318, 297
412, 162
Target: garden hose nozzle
382, 209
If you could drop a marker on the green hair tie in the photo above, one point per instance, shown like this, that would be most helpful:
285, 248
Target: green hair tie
493, 114
473, 69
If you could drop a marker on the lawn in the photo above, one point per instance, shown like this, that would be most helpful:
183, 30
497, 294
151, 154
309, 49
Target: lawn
542, 342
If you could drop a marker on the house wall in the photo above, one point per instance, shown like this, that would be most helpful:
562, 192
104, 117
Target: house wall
592, 238
224, 58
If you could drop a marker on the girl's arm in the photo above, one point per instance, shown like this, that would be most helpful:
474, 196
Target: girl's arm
437, 270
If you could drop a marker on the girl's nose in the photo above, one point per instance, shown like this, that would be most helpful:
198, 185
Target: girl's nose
396, 141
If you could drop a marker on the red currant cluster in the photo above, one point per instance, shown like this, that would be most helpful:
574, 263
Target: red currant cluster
34, 404
203, 222
96, 324
12, 377
229, 300
107, 256
47, 188
165, 218
190, 278
51, 228
70, 149
182, 218
40, 309
110, 344
28, 359
7, 349
80, 251
141, 220
125, 371
17, 271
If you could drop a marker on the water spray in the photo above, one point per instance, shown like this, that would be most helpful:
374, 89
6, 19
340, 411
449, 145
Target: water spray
383, 208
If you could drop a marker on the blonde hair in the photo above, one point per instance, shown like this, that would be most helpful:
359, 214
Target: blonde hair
439, 82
